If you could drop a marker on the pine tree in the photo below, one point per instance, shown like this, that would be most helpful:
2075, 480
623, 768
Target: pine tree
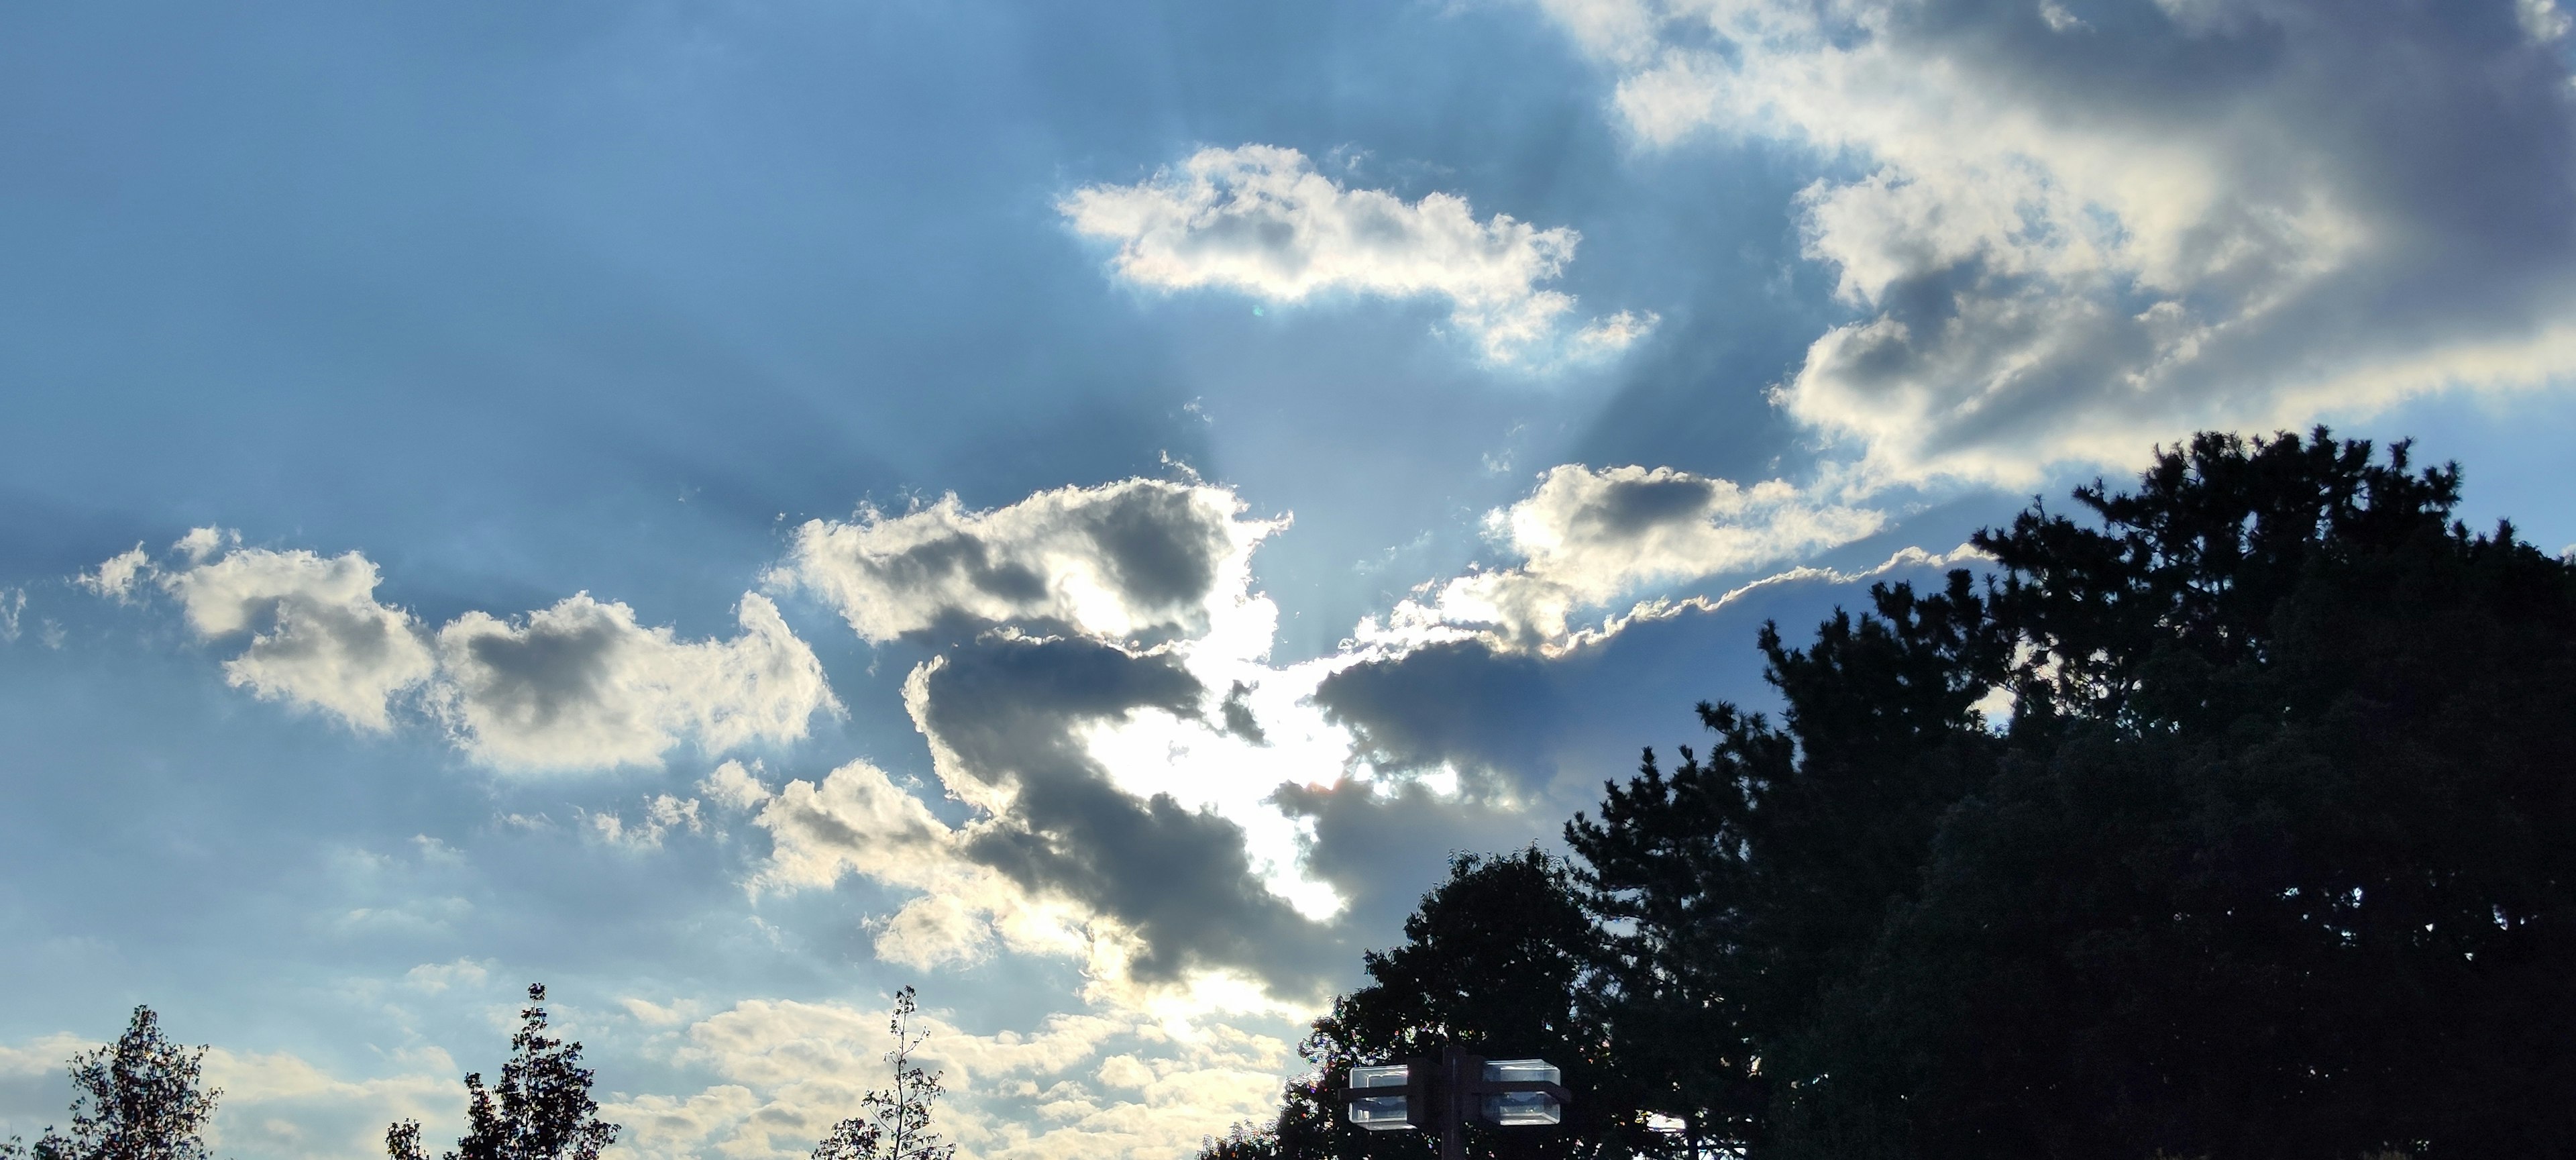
139, 1100
894, 1123
541, 1109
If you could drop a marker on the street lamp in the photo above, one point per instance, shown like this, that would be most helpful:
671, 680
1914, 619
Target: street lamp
1446, 1094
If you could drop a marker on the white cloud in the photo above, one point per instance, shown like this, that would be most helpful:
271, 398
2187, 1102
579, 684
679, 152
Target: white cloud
319, 637
434, 978
578, 685
13, 605
1587, 538
735, 786
1115, 562
662, 814
2066, 242
2542, 20
1261, 221
118, 575
583, 685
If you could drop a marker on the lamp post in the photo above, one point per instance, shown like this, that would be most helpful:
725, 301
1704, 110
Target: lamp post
1444, 1095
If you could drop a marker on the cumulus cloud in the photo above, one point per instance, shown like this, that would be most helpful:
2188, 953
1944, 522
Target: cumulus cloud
2075, 229
1115, 562
318, 636
1260, 220
578, 685
583, 685
1588, 537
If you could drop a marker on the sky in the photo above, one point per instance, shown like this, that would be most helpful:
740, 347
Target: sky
730, 509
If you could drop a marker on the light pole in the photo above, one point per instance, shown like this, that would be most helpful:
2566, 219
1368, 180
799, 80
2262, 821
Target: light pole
1444, 1095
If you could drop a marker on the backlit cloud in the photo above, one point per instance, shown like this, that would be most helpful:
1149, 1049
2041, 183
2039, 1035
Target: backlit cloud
1260, 220
1588, 538
2079, 228
1130, 559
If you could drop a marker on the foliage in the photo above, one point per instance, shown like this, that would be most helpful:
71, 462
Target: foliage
540, 1110
894, 1123
2269, 861
1491, 962
138, 1099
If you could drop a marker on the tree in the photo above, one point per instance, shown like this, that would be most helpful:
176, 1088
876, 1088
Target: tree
1727, 889
541, 1109
894, 1122
138, 1099
2274, 864
2269, 860
1492, 961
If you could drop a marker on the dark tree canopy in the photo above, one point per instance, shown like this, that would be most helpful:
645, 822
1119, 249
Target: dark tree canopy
541, 1109
2271, 860
139, 1099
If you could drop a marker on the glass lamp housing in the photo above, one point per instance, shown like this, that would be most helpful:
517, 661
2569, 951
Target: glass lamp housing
1391, 1112
1520, 1109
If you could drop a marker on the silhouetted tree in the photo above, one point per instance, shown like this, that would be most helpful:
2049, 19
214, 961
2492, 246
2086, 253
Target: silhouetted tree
139, 1099
541, 1109
894, 1122
1492, 962
1728, 887
2270, 860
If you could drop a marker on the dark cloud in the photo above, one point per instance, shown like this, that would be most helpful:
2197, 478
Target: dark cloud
1629, 506
1237, 714
544, 672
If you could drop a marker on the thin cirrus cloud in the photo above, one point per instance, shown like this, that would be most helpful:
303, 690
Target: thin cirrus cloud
2079, 227
579, 685
1261, 220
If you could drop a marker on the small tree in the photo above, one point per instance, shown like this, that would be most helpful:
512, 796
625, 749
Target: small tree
894, 1123
541, 1109
138, 1100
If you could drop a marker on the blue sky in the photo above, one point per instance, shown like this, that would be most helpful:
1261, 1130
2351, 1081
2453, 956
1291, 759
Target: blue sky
730, 509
